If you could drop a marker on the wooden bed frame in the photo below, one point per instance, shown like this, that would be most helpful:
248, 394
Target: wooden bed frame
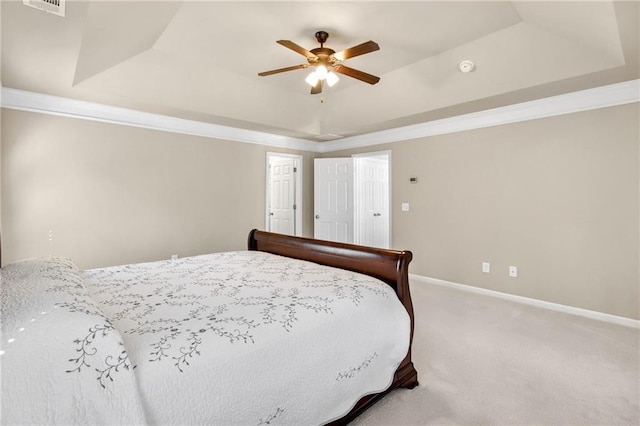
390, 266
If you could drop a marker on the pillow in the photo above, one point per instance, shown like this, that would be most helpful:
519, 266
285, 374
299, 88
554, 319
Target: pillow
62, 360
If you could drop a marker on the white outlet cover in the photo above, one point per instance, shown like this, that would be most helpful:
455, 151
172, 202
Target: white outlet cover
405, 207
513, 271
486, 267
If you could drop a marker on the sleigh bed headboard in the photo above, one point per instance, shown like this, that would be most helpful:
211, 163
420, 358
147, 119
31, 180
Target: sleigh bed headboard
390, 266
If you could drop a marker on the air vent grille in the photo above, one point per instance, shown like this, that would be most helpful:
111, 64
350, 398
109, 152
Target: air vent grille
55, 7
329, 137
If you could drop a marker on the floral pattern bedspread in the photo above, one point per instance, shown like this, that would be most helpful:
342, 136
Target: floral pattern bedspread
244, 338
62, 361
252, 338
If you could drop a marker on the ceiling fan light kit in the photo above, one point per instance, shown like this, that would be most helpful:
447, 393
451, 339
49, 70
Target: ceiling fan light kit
321, 73
327, 63
332, 78
312, 79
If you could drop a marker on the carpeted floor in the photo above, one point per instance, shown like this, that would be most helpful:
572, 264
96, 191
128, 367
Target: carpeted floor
487, 361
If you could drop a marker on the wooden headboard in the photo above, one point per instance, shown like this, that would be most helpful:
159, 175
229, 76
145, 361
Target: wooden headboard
390, 266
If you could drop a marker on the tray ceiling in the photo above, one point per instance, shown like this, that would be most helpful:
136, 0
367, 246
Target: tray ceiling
199, 60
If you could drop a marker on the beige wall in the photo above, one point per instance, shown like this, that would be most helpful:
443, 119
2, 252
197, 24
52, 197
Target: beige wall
556, 197
114, 194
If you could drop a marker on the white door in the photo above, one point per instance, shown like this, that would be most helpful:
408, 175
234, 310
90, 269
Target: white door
282, 195
372, 201
333, 199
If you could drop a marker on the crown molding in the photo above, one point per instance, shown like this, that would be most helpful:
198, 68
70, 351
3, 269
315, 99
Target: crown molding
66, 107
584, 100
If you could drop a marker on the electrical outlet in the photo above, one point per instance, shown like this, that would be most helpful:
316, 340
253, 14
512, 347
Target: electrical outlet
486, 267
513, 271
405, 207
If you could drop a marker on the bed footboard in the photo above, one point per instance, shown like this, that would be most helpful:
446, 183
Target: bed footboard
390, 266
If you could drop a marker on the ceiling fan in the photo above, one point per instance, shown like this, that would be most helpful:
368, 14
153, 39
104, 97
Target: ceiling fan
326, 61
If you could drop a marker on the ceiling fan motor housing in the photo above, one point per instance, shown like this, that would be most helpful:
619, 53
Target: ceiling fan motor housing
322, 36
324, 55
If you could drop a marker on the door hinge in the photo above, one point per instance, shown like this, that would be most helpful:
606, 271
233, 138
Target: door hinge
295, 169
295, 206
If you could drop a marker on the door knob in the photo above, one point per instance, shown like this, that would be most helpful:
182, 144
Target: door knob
270, 214
317, 216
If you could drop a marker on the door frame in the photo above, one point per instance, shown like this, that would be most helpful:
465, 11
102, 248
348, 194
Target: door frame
356, 157
297, 192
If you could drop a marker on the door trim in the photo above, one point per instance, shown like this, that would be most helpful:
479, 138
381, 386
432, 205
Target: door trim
298, 190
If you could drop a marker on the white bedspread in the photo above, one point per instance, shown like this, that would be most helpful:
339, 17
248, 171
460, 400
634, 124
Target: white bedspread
62, 361
244, 338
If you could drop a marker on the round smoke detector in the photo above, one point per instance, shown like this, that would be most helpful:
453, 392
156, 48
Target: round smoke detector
467, 66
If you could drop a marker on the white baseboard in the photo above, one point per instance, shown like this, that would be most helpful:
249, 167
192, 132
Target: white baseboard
600, 316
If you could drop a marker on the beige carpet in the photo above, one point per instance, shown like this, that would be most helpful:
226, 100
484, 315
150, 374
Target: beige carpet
487, 361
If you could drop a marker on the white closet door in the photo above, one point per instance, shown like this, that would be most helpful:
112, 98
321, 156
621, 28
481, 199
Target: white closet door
333, 199
282, 197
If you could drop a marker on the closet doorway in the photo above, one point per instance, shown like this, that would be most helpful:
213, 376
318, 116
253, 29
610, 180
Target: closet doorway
352, 199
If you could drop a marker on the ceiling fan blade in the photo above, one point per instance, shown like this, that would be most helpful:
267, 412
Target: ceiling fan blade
357, 74
361, 49
296, 48
317, 88
294, 67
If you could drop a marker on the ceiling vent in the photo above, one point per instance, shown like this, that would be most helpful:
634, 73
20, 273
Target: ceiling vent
55, 7
329, 137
